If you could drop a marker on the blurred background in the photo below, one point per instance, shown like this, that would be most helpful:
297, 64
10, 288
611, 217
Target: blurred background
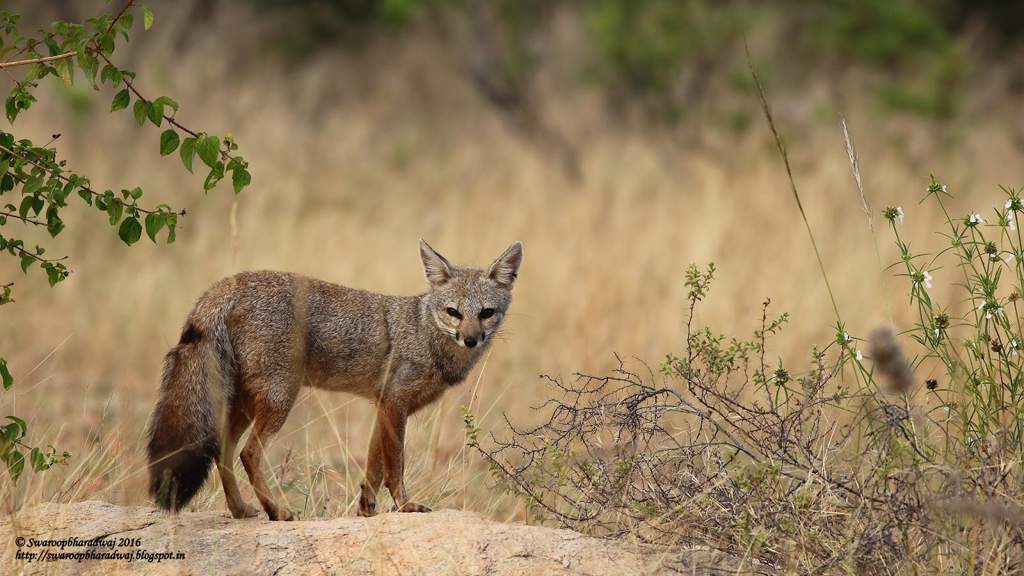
619, 140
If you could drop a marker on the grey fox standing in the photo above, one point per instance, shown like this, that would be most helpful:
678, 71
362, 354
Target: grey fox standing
255, 338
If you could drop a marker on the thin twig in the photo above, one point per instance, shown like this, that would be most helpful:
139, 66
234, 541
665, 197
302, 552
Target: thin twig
16, 63
37, 257
65, 179
69, 54
22, 218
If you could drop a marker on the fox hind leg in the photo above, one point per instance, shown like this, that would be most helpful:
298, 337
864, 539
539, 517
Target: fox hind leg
270, 411
238, 421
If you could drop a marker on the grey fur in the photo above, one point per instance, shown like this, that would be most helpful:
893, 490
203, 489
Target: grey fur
255, 338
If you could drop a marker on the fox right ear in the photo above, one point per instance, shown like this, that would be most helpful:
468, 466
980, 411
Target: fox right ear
435, 266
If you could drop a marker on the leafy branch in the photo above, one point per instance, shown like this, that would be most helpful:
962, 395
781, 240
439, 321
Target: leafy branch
36, 185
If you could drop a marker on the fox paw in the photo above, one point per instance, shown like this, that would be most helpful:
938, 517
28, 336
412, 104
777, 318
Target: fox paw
412, 507
283, 514
367, 509
247, 511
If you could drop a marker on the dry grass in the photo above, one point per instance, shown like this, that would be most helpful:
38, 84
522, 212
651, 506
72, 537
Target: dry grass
355, 157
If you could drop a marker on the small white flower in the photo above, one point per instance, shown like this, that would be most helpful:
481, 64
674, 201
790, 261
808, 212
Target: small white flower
1009, 258
989, 310
899, 213
924, 277
859, 355
1010, 222
1009, 202
976, 218
847, 338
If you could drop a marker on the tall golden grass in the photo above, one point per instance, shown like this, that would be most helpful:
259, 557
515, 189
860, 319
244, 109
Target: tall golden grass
356, 156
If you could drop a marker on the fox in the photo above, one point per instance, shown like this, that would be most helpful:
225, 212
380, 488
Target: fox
253, 340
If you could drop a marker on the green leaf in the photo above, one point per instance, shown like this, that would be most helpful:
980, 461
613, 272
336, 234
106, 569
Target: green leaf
171, 219
63, 68
155, 113
54, 272
167, 101
9, 433
135, 193
11, 108
121, 100
54, 225
38, 460
147, 17
168, 142
154, 222
26, 261
141, 111
60, 195
111, 74
215, 175
107, 44
33, 203
33, 185
240, 178
114, 209
126, 21
188, 152
208, 148
130, 231
5, 375
15, 464
20, 425
104, 200
26, 205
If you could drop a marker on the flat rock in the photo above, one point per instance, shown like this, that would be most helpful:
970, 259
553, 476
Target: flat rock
118, 540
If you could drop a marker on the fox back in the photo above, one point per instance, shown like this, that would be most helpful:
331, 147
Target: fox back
340, 338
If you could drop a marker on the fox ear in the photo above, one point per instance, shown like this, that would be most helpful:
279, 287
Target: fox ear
505, 269
435, 266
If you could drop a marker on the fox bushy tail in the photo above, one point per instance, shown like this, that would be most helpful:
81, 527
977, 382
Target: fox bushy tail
195, 392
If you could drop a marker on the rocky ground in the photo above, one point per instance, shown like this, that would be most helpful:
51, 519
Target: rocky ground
144, 540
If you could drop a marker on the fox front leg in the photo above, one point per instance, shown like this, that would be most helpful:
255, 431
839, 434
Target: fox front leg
387, 460
394, 465
374, 474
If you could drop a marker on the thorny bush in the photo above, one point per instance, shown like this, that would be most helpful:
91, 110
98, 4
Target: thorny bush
861, 463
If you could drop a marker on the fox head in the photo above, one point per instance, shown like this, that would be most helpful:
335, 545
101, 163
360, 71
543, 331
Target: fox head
468, 304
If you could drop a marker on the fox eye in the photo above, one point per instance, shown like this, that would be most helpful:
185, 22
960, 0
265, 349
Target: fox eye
487, 313
453, 312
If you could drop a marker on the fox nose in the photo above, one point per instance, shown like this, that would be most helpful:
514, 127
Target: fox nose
469, 341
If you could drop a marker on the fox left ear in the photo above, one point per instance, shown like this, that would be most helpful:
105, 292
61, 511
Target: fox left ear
505, 269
